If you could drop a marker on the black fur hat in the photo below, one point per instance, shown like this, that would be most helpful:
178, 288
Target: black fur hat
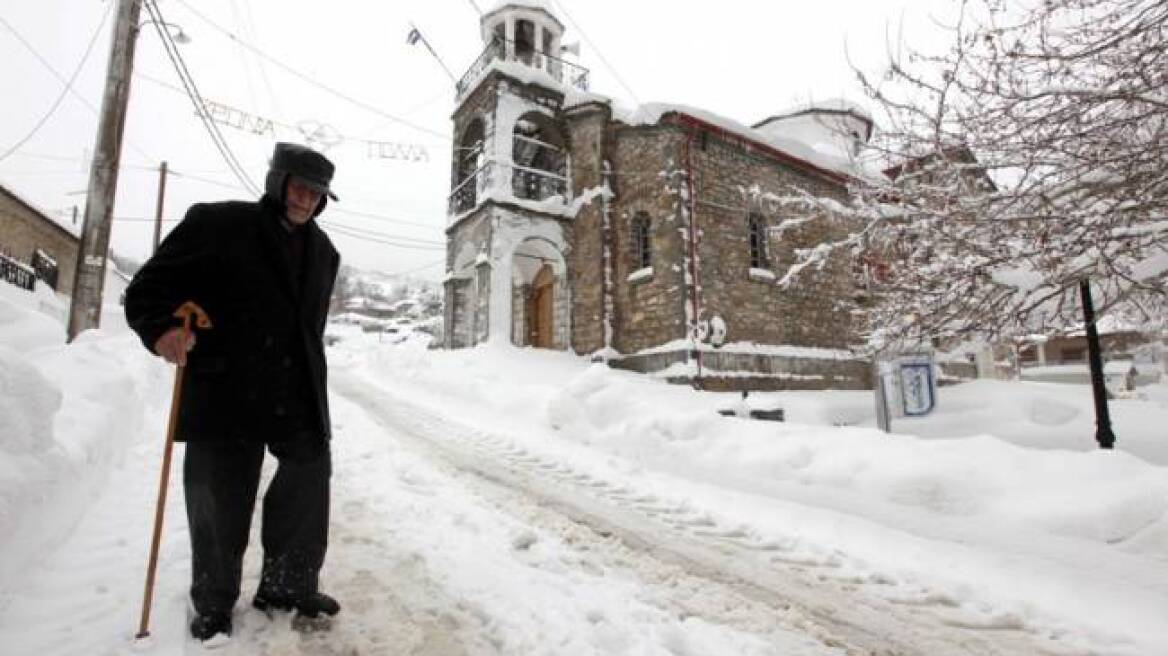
303, 162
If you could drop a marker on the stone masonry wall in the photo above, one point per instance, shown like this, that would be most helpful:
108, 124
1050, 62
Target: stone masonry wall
22, 231
463, 242
586, 143
816, 312
480, 105
650, 311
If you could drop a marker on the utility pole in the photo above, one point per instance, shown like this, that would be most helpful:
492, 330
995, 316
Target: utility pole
1103, 434
85, 308
158, 206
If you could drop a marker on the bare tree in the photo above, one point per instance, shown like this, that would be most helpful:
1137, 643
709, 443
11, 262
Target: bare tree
1030, 155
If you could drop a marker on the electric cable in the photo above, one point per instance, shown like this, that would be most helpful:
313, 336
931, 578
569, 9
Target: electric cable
65, 91
80, 98
310, 80
275, 122
332, 207
196, 98
419, 268
213, 128
381, 235
243, 59
249, 28
599, 54
372, 234
377, 240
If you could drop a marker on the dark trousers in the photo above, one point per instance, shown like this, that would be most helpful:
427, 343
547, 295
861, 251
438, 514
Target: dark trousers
220, 481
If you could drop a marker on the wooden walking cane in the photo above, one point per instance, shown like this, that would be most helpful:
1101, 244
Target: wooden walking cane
185, 312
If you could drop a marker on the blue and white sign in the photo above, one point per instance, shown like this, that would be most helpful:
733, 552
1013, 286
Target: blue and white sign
917, 388
906, 386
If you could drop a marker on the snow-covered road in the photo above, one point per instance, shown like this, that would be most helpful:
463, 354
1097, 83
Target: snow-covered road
506, 501
718, 574
429, 553
451, 540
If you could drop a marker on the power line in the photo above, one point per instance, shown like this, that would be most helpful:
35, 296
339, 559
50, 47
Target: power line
249, 28
599, 54
200, 106
376, 240
68, 85
243, 59
196, 98
332, 208
419, 268
310, 80
274, 121
369, 235
381, 235
379, 217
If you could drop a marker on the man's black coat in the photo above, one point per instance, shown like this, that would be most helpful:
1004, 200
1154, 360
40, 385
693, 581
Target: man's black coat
259, 373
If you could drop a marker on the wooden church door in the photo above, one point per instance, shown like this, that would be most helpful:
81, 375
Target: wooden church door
540, 309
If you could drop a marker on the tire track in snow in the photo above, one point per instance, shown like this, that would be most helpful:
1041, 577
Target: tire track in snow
866, 614
669, 609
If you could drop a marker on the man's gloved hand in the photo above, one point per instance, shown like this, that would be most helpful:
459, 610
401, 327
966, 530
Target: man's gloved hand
170, 346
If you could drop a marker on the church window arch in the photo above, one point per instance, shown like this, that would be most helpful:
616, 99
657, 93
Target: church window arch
469, 158
539, 158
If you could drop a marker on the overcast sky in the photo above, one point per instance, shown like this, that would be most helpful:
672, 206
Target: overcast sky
744, 59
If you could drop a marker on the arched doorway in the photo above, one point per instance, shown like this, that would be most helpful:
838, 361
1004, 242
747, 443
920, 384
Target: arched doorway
540, 312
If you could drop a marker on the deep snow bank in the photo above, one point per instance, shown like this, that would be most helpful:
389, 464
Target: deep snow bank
67, 414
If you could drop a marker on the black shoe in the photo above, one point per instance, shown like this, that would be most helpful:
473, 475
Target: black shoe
207, 626
312, 605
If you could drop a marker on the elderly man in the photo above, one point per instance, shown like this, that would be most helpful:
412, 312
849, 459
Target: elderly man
264, 272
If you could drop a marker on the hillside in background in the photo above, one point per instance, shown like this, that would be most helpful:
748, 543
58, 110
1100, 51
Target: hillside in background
387, 303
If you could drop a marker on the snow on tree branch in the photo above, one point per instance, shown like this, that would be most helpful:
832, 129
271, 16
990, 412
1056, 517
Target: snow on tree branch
1031, 154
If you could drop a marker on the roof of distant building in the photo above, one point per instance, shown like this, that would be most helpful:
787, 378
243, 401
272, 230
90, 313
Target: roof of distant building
73, 232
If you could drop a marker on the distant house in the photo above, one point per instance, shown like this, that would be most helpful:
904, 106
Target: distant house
1117, 340
32, 238
1131, 357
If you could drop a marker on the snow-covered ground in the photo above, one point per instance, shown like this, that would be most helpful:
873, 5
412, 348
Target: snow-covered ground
505, 501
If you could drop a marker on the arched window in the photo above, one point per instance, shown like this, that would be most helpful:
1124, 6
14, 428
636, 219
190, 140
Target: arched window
642, 249
757, 236
539, 155
468, 159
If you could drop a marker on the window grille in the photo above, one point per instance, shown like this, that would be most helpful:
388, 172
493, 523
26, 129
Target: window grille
758, 254
642, 250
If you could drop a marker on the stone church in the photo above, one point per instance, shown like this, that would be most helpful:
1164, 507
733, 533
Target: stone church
654, 238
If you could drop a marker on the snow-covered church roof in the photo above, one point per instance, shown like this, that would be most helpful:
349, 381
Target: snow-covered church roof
831, 105
817, 153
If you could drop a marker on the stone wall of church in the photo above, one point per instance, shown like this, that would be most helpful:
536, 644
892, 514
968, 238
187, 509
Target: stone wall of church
463, 243
586, 142
729, 183
480, 105
649, 309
